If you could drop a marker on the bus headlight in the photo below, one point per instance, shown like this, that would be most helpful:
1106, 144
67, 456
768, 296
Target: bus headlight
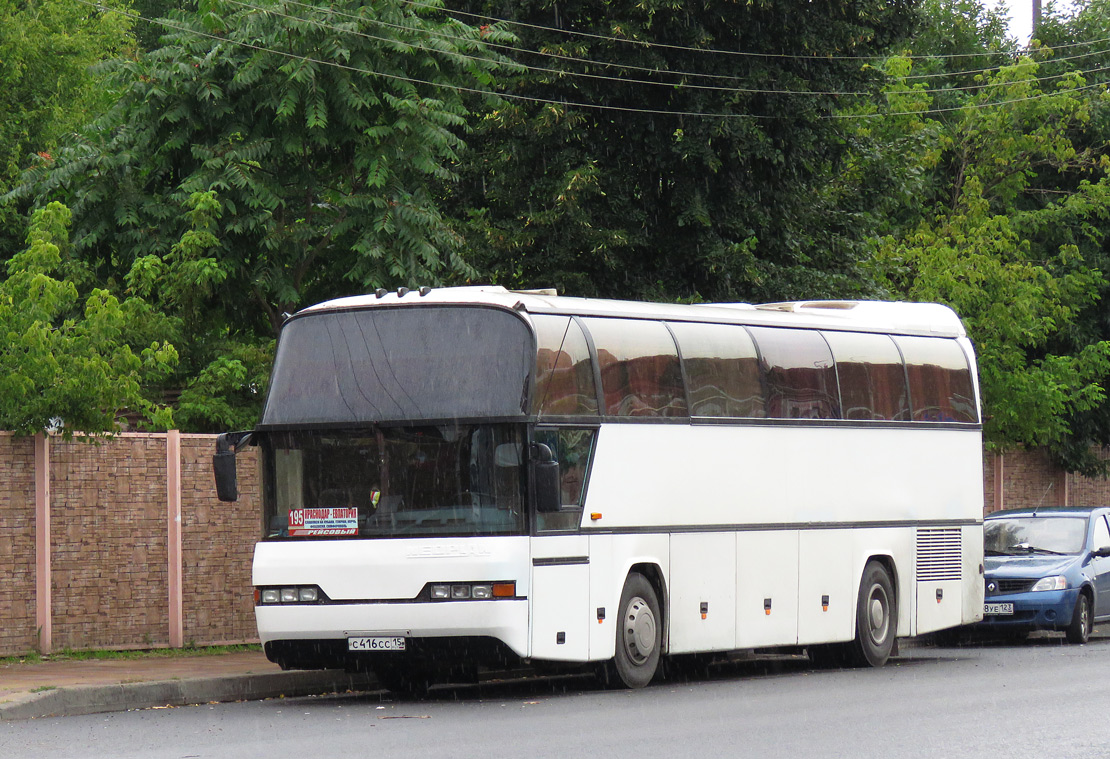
295, 594
471, 591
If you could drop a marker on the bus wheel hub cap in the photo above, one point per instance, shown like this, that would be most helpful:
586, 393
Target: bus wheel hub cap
639, 630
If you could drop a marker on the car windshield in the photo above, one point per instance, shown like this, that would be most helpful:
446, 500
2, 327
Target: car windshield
386, 482
1012, 536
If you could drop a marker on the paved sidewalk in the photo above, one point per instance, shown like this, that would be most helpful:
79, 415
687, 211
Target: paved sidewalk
63, 688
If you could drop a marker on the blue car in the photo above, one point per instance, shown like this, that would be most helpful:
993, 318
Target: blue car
1047, 569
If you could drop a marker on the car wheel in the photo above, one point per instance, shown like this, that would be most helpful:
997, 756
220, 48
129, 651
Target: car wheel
876, 618
1079, 631
639, 635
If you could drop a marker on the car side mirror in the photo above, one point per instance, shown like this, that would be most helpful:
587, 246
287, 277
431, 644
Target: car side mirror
1101, 553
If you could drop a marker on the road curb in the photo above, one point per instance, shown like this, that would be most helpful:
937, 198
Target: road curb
94, 699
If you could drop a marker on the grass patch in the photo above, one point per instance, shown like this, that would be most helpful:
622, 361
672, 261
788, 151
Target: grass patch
66, 654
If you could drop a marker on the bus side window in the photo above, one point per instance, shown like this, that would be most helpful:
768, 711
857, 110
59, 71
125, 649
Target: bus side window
640, 373
564, 374
573, 449
798, 369
722, 369
872, 377
940, 383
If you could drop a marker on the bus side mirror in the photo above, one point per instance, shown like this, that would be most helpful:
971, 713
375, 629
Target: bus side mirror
545, 479
223, 464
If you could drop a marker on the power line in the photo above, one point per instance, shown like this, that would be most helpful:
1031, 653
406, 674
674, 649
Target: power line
624, 80
717, 51
560, 103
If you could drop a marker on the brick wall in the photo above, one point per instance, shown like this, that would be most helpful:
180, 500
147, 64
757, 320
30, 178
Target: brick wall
1028, 478
1083, 491
108, 533
217, 546
110, 546
17, 544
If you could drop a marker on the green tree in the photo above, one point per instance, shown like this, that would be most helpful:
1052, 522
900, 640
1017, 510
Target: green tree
1005, 238
640, 198
318, 131
66, 360
48, 87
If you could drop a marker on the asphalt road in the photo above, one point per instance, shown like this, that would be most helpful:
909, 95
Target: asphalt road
1038, 699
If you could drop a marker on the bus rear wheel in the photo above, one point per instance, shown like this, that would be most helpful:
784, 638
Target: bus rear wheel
876, 618
639, 635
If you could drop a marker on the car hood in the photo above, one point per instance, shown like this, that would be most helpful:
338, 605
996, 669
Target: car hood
1027, 566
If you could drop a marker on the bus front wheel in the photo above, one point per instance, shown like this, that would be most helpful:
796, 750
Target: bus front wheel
876, 618
639, 635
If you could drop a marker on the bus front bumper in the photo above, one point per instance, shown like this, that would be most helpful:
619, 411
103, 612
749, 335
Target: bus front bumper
502, 620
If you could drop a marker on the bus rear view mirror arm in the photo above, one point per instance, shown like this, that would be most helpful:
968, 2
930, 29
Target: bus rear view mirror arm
545, 479
223, 464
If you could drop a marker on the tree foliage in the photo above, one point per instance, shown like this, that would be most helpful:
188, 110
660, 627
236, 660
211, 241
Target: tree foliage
1002, 238
696, 173
48, 87
67, 360
315, 132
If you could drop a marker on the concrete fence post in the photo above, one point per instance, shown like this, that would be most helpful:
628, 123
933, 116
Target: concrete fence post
43, 596
174, 552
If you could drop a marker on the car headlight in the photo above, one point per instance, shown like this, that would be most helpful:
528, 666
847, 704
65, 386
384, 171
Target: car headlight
1059, 582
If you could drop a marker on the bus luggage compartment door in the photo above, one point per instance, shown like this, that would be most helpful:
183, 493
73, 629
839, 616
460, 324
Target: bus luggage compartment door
560, 598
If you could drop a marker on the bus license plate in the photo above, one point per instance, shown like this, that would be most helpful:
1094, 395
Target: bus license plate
998, 609
391, 643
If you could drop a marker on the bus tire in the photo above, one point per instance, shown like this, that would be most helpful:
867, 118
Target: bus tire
876, 618
639, 635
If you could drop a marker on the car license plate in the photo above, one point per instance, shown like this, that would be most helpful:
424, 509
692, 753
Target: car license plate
998, 609
390, 643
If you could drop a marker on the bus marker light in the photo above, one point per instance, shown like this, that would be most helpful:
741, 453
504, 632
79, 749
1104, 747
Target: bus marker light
940, 595
824, 603
504, 589
600, 614
767, 606
595, 515
704, 610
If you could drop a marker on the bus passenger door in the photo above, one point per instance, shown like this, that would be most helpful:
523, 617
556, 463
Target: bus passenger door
560, 594
560, 598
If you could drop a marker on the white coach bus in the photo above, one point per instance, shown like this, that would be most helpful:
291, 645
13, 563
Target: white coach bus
467, 475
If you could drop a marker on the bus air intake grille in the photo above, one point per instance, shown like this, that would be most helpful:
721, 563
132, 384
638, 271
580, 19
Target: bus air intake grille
939, 555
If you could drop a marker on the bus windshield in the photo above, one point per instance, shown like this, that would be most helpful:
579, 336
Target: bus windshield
394, 482
380, 365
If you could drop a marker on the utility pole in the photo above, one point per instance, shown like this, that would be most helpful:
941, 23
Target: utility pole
1036, 16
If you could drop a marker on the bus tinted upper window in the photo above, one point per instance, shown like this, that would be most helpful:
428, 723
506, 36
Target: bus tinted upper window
389, 364
722, 370
564, 375
798, 371
640, 374
940, 383
872, 378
